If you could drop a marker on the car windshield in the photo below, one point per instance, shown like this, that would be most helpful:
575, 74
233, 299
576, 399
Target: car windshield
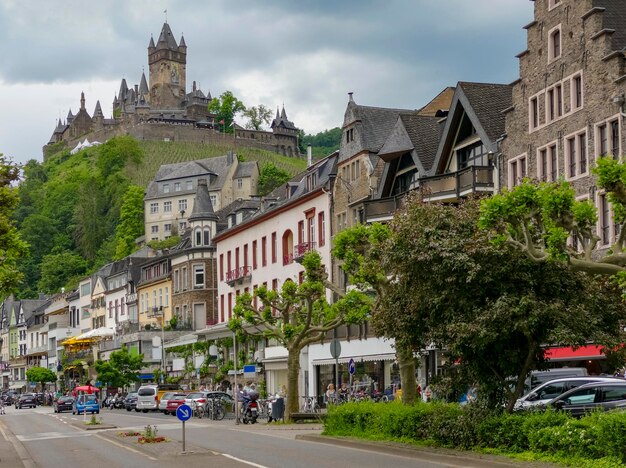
195, 395
167, 396
131, 395
89, 398
65, 399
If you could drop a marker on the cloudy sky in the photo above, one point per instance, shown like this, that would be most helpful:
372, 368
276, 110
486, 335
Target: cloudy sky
305, 54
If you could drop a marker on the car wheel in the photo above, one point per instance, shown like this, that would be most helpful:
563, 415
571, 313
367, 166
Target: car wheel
127, 409
73, 412
137, 410
97, 412
145, 411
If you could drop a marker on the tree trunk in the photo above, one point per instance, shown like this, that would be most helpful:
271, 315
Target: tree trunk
521, 378
406, 361
293, 372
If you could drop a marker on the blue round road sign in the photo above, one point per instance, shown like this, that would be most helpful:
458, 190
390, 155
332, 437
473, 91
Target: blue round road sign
183, 412
351, 367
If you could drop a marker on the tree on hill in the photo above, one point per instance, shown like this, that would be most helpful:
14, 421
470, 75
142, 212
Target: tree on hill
257, 116
12, 247
60, 270
546, 222
323, 143
40, 375
225, 108
130, 225
271, 177
439, 280
296, 317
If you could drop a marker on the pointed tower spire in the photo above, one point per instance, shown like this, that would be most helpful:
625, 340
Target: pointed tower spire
82, 100
283, 114
202, 206
151, 45
97, 113
182, 42
143, 84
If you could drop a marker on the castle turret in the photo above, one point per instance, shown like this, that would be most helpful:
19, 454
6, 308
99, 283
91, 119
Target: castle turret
168, 62
70, 117
203, 220
82, 101
98, 116
285, 133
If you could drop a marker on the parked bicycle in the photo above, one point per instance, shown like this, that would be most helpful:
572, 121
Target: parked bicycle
310, 405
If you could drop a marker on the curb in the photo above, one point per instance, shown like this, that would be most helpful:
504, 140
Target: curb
452, 458
13, 450
94, 427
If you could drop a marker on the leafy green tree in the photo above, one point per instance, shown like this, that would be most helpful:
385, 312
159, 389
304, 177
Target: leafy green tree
323, 143
40, 375
257, 116
12, 247
271, 177
89, 211
302, 317
131, 225
59, 270
225, 108
440, 280
115, 154
122, 368
540, 218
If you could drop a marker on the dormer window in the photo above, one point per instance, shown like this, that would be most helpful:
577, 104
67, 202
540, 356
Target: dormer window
554, 44
553, 4
311, 181
166, 188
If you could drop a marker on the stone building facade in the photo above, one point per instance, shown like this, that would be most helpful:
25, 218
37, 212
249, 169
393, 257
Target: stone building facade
567, 105
163, 99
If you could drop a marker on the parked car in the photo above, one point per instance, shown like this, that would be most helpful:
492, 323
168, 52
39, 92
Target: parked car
148, 398
196, 399
173, 402
86, 404
27, 399
544, 393
64, 403
592, 396
130, 402
540, 377
165, 398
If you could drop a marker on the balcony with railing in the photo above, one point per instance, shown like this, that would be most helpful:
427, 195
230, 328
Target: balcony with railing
131, 298
303, 248
239, 275
456, 185
382, 209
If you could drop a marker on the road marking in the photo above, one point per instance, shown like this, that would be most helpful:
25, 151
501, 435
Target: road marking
240, 460
25, 457
50, 435
127, 448
4, 434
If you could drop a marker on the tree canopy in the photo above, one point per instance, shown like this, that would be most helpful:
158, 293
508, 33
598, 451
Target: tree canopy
121, 369
130, 225
297, 316
271, 177
257, 116
12, 247
40, 375
547, 222
225, 108
440, 280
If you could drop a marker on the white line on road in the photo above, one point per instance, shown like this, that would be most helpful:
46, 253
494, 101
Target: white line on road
243, 461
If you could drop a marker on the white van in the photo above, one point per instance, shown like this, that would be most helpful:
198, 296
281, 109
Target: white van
148, 398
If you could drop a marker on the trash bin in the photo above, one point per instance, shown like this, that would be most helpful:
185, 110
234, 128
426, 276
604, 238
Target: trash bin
278, 409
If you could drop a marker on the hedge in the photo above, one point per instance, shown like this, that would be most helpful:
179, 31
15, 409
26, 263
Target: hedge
599, 437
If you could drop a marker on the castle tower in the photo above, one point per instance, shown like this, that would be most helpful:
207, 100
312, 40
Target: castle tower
168, 62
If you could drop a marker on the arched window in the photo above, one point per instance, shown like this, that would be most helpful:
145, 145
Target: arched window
207, 236
198, 237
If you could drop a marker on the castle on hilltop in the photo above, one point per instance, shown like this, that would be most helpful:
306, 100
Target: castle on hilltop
161, 109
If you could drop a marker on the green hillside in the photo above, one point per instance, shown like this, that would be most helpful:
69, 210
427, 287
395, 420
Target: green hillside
157, 153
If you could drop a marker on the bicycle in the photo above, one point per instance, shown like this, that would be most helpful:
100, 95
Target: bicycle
217, 409
310, 405
198, 410
263, 409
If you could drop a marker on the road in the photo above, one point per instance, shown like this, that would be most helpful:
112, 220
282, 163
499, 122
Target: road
52, 441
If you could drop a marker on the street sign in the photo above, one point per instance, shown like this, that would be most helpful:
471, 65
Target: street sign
335, 348
351, 367
183, 412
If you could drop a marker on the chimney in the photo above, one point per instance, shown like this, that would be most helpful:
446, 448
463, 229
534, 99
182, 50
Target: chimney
309, 155
350, 94
136, 90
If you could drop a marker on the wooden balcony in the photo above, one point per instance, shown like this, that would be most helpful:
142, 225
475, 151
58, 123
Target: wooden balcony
453, 186
238, 275
301, 249
382, 209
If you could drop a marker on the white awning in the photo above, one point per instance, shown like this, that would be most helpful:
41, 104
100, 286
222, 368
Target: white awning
16, 386
182, 340
101, 332
346, 359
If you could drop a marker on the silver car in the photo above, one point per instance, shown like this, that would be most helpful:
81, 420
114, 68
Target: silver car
541, 395
163, 401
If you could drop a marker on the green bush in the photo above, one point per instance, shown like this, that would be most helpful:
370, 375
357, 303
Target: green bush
598, 439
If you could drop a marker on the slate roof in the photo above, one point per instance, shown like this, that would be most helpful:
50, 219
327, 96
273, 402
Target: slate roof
376, 125
281, 119
614, 18
217, 166
488, 100
98, 110
166, 38
249, 206
280, 197
143, 84
202, 206
425, 133
246, 169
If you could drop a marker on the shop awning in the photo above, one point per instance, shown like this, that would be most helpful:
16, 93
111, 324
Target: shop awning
571, 354
346, 359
